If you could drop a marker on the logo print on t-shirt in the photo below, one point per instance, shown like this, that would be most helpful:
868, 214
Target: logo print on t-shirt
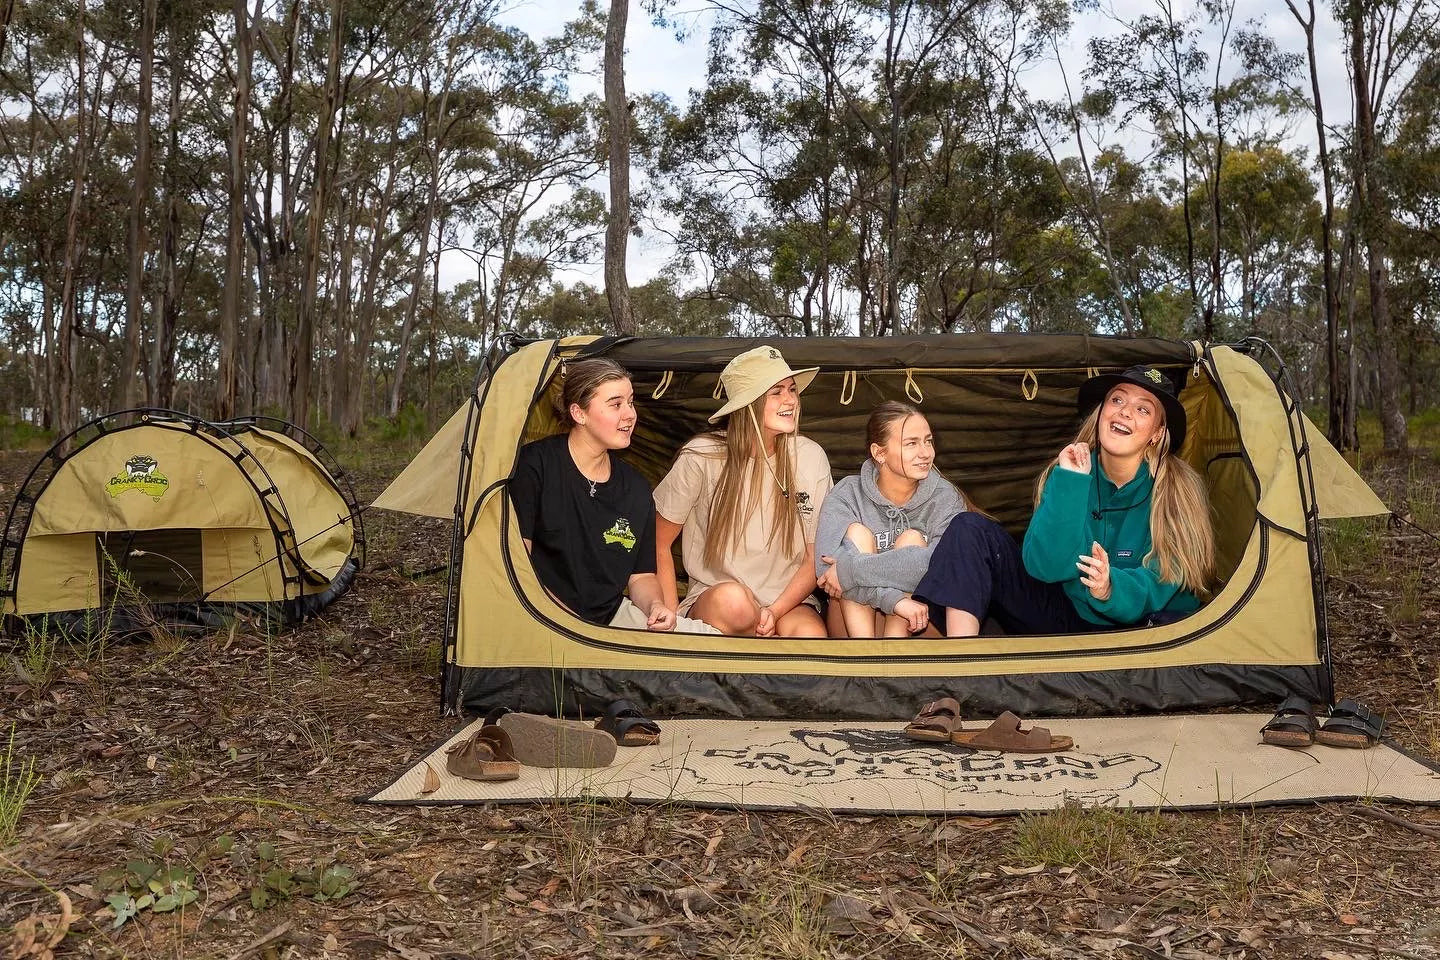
621, 534
803, 504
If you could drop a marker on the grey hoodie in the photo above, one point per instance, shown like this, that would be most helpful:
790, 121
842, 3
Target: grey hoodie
882, 580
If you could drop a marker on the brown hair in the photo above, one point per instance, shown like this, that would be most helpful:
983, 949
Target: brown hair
580, 380
744, 473
882, 422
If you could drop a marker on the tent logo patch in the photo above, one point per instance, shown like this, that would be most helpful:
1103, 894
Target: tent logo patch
622, 534
139, 474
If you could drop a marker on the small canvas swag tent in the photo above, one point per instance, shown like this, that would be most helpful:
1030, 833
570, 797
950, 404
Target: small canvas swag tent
156, 519
1000, 406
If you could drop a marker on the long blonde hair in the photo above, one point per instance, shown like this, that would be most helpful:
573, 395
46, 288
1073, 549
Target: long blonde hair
745, 471
1182, 538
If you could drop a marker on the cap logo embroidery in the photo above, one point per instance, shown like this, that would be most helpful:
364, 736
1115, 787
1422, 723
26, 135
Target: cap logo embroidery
1152, 375
774, 354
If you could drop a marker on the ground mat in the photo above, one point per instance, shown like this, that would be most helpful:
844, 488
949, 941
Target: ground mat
1169, 762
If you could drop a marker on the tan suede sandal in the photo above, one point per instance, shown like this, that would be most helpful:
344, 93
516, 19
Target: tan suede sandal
488, 755
1006, 735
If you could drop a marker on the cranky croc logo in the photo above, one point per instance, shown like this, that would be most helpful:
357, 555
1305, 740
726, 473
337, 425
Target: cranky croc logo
849, 754
621, 534
139, 474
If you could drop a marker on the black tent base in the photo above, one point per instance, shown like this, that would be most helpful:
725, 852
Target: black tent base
806, 697
124, 621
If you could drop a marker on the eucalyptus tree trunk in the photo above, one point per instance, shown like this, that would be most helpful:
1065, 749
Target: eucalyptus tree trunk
227, 377
65, 356
1374, 212
302, 351
128, 382
617, 230
1336, 389
427, 223
167, 310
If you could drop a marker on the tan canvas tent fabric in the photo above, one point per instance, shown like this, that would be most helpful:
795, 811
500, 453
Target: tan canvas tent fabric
1000, 405
152, 518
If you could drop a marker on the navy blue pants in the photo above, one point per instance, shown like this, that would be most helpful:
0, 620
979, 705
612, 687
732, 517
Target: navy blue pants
976, 567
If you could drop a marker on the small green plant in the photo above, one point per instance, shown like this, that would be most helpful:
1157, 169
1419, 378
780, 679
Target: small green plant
1407, 608
1351, 544
16, 783
36, 661
1076, 835
274, 882
1240, 874
147, 885
420, 651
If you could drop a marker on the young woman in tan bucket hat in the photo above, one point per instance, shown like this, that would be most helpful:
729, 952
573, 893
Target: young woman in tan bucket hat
745, 501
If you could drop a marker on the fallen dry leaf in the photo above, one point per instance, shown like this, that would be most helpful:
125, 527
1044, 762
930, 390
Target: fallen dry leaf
1021, 871
432, 779
37, 936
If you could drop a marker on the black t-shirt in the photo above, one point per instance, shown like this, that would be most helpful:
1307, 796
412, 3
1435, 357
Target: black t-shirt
586, 543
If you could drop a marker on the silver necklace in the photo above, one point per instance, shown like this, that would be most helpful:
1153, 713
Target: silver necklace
592, 487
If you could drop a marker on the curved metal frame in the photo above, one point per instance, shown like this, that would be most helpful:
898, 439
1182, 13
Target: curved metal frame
504, 345
1258, 347
22, 508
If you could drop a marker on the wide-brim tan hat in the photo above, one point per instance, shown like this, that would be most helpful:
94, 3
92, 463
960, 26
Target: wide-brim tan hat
749, 375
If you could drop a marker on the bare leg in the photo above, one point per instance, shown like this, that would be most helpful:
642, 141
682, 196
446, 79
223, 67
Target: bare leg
835, 621
729, 607
803, 621
862, 537
898, 626
895, 626
961, 623
860, 620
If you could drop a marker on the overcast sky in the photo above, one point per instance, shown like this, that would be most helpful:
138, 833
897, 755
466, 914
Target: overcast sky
655, 61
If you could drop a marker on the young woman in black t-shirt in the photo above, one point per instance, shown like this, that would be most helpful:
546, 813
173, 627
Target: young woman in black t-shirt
586, 516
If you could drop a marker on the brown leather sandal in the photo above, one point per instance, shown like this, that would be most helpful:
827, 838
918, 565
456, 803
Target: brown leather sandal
936, 721
1005, 735
488, 755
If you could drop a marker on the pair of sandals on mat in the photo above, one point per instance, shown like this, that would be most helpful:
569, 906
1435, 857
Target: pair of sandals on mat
507, 741
1349, 724
939, 722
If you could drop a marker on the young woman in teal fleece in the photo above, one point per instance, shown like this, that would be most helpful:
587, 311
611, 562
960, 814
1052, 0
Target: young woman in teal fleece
1121, 533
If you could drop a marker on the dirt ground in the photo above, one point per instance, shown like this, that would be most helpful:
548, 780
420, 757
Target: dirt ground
216, 775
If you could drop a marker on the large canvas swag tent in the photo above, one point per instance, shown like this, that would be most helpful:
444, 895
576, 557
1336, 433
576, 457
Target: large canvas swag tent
152, 519
1000, 407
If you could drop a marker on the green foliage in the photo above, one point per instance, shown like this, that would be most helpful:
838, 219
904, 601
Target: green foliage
1075, 835
16, 434
272, 881
158, 885
17, 781
408, 426
1351, 544
150, 885
37, 658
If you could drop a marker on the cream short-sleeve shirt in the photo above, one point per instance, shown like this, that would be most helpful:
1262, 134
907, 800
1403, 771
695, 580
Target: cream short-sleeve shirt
684, 497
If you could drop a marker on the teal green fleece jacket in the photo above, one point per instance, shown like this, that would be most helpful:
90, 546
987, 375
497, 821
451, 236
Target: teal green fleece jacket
1077, 509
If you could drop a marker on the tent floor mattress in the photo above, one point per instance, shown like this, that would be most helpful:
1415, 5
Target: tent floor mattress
1170, 762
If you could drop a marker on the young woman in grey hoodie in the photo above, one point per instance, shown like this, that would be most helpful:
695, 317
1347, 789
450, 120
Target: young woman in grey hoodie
877, 530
